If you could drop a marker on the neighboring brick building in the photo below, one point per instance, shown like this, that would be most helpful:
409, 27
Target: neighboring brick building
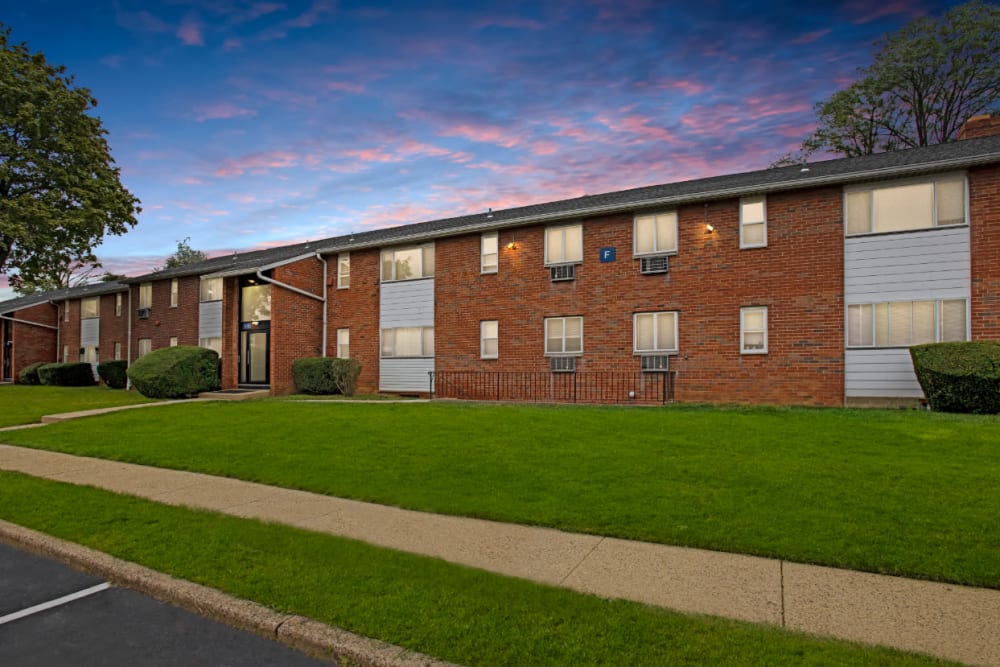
799, 285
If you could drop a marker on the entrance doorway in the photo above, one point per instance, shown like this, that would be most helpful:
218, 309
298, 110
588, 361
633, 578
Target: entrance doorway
255, 352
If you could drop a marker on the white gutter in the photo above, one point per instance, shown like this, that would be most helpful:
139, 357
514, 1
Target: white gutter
128, 344
292, 288
34, 324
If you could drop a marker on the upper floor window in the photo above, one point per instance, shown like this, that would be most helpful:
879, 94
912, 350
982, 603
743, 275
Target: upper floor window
564, 335
655, 333
489, 252
906, 323
211, 289
66, 311
753, 222
343, 270
173, 293
564, 244
90, 307
909, 206
753, 330
655, 234
146, 295
118, 304
408, 263
408, 342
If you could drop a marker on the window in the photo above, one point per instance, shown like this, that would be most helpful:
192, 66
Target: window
146, 295
212, 344
210, 289
408, 342
489, 252
343, 270
173, 293
65, 353
753, 222
655, 234
145, 346
343, 343
90, 308
118, 305
654, 333
118, 351
753, 330
65, 311
564, 335
894, 208
906, 323
173, 341
564, 245
489, 341
88, 355
408, 263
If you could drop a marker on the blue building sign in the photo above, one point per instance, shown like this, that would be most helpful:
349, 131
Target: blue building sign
607, 255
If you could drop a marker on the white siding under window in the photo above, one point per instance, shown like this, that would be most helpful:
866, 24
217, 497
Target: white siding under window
406, 304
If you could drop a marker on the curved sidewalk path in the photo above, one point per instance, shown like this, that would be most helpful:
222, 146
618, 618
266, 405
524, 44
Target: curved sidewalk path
950, 621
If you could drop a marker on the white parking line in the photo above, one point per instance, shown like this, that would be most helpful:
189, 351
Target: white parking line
58, 602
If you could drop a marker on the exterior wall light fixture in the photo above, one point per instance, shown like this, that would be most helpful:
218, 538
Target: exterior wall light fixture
709, 228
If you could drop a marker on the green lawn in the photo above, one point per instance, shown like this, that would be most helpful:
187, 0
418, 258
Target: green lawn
341, 397
21, 404
456, 613
907, 493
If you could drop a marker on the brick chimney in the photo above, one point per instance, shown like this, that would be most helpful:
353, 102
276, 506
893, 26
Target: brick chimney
976, 127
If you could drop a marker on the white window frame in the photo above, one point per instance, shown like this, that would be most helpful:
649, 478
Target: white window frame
483, 339
423, 247
202, 286
744, 330
146, 343
344, 270
661, 217
484, 265
744, 223
66, 310
566, 257
118, 351
343, 343
211, 344
388, 336
146, 295
872, 188
118, 304
656, 349
562, 352
173, 341
174, 290
92, 299
871, 344
65, 353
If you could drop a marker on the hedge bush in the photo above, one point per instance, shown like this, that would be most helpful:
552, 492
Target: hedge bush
72, 374
326, 375
113, 373
175, 372
29, 374
960, 377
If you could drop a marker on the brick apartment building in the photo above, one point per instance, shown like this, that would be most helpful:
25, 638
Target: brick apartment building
799, 285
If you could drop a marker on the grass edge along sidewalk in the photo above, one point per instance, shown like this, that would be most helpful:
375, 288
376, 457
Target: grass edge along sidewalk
903, 493
426, 605
27, 404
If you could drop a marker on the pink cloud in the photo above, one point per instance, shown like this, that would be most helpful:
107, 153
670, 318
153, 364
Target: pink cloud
810, 37
773, 105
483, 133
344, 86
871, 11
685, 86
257, 163
191, 180
221, 111
641, 127
189, 32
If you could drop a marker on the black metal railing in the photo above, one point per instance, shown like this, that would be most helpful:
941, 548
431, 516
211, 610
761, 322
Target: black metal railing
589, 387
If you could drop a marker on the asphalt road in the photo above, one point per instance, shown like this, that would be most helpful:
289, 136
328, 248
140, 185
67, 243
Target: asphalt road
112, 626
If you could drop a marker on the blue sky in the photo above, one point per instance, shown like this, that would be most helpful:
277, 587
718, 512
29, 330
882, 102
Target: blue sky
251, 124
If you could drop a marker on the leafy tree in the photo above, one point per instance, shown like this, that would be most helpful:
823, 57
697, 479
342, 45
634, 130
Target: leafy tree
72, 273
185, 255
925, 81
60, 192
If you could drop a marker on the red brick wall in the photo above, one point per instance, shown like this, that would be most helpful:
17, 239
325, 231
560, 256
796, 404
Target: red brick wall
357, 309
166, 321
980, 126
114, 328
32, 344
296, 320
984, 228
230, 332
69, 330
799, 276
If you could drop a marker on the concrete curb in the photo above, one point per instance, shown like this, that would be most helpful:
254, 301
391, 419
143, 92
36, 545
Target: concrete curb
302, 634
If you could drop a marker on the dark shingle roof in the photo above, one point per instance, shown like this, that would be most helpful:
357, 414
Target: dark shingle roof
79, 292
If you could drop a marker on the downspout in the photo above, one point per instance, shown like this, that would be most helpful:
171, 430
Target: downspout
292, 288
326, 291
128, 344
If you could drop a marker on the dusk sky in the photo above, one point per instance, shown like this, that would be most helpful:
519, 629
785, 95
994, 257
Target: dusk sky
248, 125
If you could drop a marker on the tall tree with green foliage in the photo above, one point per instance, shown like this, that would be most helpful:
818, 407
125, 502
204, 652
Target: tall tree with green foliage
60, 191
185, 255
925, 81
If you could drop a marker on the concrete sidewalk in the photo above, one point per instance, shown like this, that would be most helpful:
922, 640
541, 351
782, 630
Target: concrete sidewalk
945, 620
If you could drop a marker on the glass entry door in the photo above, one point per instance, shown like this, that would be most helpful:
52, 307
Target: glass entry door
254, 348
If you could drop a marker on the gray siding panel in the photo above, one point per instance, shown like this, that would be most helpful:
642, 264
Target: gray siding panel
883, 372
210, 319
90, 332
405, 374
408, 303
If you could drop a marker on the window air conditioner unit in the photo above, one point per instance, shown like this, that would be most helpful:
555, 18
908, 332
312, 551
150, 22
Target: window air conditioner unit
650, 265
562, 272
143, 313
654, 363
562, 364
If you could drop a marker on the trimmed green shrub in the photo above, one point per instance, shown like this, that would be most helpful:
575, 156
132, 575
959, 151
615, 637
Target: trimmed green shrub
72, 374
175, 372
326, 375
113, 373
29, 374
960, 377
